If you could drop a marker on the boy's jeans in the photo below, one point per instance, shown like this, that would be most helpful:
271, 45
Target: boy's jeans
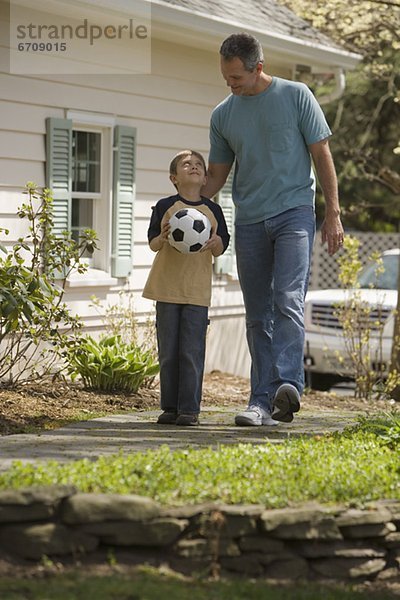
273, 259
181, 337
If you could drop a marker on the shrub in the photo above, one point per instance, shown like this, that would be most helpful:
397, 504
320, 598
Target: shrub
121, 320
35, 324
354, 315
111, 364
387, 427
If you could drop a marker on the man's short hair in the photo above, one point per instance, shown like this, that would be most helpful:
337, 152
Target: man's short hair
182, 154
243, 46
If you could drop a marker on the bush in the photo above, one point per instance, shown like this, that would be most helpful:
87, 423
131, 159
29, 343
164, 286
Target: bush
35, 325
121, 320
387, 427
363, 339
110, 364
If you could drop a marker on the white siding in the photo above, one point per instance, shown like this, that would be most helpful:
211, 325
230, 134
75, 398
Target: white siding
170, 110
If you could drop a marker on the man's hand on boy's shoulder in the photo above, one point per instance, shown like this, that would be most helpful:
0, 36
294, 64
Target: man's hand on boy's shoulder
214, 243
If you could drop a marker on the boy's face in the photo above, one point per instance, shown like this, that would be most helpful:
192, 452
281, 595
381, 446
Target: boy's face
189, 170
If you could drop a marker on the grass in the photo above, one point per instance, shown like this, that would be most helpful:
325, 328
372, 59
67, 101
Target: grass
149, 584
353, 467
356, 466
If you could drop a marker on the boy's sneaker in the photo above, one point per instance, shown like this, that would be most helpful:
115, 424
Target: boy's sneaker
167, 418
187, 420
253, 416
286, 402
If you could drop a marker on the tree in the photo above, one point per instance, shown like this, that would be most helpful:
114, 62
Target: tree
365, 120
395, 358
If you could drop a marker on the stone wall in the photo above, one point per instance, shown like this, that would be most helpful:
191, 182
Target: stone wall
304, 542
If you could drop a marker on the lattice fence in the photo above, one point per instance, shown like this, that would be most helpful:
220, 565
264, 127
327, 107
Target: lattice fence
324, 268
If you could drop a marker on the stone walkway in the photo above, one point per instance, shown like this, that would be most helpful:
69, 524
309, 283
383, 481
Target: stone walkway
138, 431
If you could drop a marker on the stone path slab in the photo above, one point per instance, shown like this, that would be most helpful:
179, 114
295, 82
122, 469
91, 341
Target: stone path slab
134, 432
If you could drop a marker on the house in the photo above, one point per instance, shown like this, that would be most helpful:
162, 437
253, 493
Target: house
96, 96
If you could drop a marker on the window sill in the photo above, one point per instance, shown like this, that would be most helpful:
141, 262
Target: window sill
91, 278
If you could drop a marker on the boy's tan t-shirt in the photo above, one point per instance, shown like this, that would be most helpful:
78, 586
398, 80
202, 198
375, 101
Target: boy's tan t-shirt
182, 278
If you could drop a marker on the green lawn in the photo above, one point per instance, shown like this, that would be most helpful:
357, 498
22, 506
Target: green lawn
151, 585
357, 467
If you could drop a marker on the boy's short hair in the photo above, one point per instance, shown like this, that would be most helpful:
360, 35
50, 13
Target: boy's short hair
243, 46
183, 154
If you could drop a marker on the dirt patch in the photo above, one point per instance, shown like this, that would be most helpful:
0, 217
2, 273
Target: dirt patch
48, 405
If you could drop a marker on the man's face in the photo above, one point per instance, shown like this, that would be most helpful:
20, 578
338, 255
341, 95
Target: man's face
241, 82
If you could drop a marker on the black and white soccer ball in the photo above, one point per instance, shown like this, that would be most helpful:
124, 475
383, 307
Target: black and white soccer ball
190, 229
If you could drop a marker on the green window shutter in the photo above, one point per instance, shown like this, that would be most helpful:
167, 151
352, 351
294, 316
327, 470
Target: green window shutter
226, 262
123, 200
59, 170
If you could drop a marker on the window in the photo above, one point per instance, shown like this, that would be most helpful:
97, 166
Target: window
86, 162
91, 172
86, 180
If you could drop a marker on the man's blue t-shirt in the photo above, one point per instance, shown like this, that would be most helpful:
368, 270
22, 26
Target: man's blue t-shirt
268, 134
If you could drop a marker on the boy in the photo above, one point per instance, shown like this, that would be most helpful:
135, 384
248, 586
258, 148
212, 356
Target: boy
181, 286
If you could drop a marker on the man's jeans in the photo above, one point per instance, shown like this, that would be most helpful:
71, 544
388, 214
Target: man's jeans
273, 259
181, 337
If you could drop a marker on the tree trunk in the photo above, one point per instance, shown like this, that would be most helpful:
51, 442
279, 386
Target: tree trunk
395, 358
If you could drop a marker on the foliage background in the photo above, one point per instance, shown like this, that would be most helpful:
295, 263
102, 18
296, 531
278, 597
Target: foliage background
365, 120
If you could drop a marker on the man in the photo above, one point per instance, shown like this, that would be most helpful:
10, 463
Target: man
271, 128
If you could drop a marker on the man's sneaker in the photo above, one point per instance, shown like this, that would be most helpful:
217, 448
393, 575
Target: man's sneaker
253, 416
167, 418
187, 420
285, 403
